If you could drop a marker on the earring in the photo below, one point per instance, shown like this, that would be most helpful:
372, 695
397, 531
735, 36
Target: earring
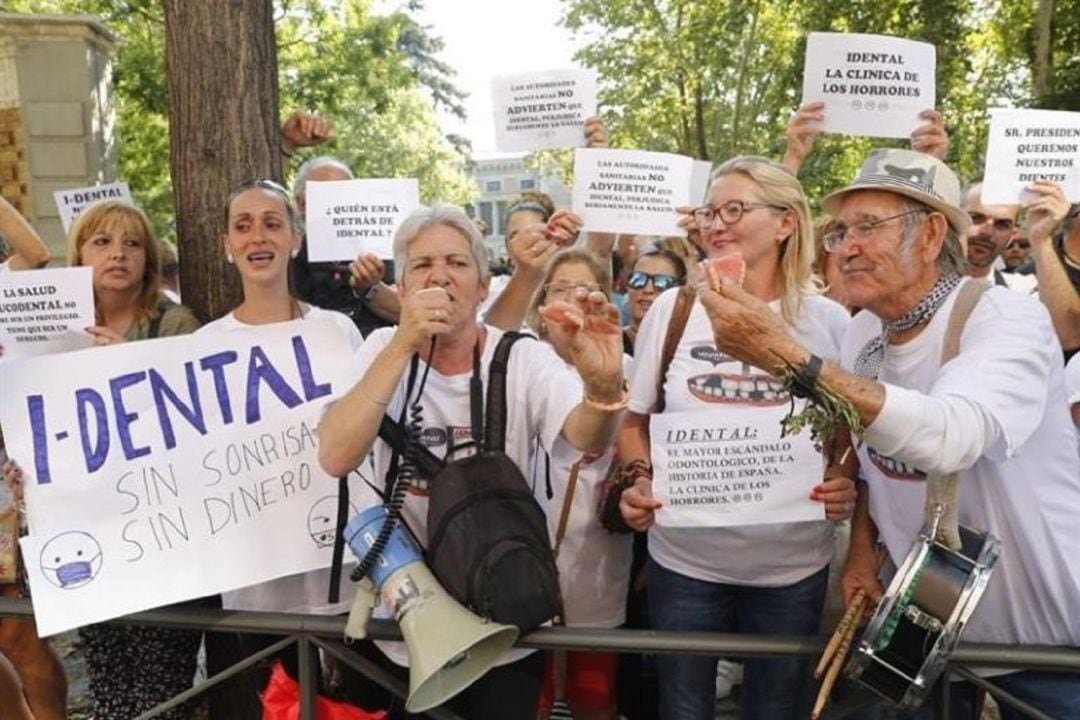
229, 258
295, 252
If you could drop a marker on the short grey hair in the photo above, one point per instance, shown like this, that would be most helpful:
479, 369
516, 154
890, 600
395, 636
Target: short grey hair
952, 258
311, 165
450, 216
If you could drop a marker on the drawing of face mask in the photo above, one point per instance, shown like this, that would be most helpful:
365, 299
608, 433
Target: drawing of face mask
71, 559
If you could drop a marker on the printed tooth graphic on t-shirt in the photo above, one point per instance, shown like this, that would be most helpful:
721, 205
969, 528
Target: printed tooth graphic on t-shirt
732, 381
894, 469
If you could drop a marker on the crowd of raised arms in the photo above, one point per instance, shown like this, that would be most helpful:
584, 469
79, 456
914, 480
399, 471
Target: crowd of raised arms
628, 332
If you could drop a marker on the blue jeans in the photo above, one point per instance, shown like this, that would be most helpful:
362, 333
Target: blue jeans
773, 689
1055, 693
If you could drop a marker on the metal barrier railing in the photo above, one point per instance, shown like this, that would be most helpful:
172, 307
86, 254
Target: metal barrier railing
311, 631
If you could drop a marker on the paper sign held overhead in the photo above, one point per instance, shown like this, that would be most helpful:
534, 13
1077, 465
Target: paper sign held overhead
72, 202
631, 191
45, 311
348, 217
1028, 145
171, 469
872, 85
540, 110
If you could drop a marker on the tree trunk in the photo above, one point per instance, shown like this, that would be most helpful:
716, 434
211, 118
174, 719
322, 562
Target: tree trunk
1043, 41
221, 60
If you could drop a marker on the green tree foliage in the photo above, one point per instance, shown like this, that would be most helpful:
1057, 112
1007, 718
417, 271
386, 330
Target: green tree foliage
718, 78
377, 79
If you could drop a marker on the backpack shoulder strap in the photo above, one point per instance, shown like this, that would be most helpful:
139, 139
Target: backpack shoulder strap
684, 302
155, 322
495, 417
395, 436
966, 300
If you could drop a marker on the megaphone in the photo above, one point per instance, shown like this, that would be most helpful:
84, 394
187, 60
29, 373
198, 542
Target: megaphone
449, 646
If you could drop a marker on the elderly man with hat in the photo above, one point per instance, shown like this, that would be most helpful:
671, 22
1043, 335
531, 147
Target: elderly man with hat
995, 415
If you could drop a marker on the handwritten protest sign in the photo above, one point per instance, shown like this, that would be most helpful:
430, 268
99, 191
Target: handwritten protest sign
45, 311
872, 85
542, 109
349, 217
630, 191
72, 202
723, 470
170, 469
1028, 145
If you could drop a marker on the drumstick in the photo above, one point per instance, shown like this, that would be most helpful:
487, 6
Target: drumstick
837, 663
853, 612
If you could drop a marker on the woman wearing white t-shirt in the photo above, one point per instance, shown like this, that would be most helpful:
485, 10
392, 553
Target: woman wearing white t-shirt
759, 579
260, 240
442, 276
594, 564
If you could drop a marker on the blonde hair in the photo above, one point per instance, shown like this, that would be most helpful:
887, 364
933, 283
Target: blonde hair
780, 187
569, 256
103, 216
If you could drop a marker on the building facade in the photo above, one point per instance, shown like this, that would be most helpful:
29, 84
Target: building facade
500, 181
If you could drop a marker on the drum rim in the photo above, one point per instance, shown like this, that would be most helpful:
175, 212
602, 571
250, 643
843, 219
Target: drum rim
934, 661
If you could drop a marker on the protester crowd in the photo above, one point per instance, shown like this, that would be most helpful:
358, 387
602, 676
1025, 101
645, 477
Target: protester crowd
858, 299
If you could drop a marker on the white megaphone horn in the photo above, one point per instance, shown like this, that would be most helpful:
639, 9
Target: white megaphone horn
449, 647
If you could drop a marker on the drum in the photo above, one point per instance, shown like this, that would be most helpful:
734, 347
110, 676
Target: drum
920, 618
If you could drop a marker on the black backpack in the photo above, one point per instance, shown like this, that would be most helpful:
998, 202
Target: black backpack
488, 542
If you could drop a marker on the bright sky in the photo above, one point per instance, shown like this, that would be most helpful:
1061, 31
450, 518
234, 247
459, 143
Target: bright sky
483, 38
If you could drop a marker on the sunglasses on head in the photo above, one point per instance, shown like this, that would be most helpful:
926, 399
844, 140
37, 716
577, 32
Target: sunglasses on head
638, 280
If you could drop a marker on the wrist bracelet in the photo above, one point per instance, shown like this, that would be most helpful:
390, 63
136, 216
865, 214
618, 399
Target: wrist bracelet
620, 404
370, 293
806, 377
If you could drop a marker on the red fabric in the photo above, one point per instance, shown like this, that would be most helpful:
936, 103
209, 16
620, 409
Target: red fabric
281, 701
590, 681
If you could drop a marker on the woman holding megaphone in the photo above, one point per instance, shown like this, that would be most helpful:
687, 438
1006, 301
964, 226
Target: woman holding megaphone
442, 278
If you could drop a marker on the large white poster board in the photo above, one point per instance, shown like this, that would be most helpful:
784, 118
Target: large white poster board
728, 468
1028, 145
72, 202
349, 217
165, 470
545, 109
45, 311
632, 191
873, 85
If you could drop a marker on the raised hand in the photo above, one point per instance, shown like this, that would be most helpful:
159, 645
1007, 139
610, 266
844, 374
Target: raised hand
931, 138
424, 314
596, 134
366, 270
1046, 211
303, 129
801, 133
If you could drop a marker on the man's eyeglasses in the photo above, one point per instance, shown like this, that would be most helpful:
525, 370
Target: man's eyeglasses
638, 280
860, 230
562, 289
1001, 225
730, 212
1022, 244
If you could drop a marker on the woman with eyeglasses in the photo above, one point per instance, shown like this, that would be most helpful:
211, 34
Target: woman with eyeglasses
261, 239
594, 565
131, 668
756, 578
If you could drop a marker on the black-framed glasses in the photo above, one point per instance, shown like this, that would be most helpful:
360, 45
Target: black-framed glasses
1019, 243
730, 212
861, 230
661, 281
564, 289
1001, 225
